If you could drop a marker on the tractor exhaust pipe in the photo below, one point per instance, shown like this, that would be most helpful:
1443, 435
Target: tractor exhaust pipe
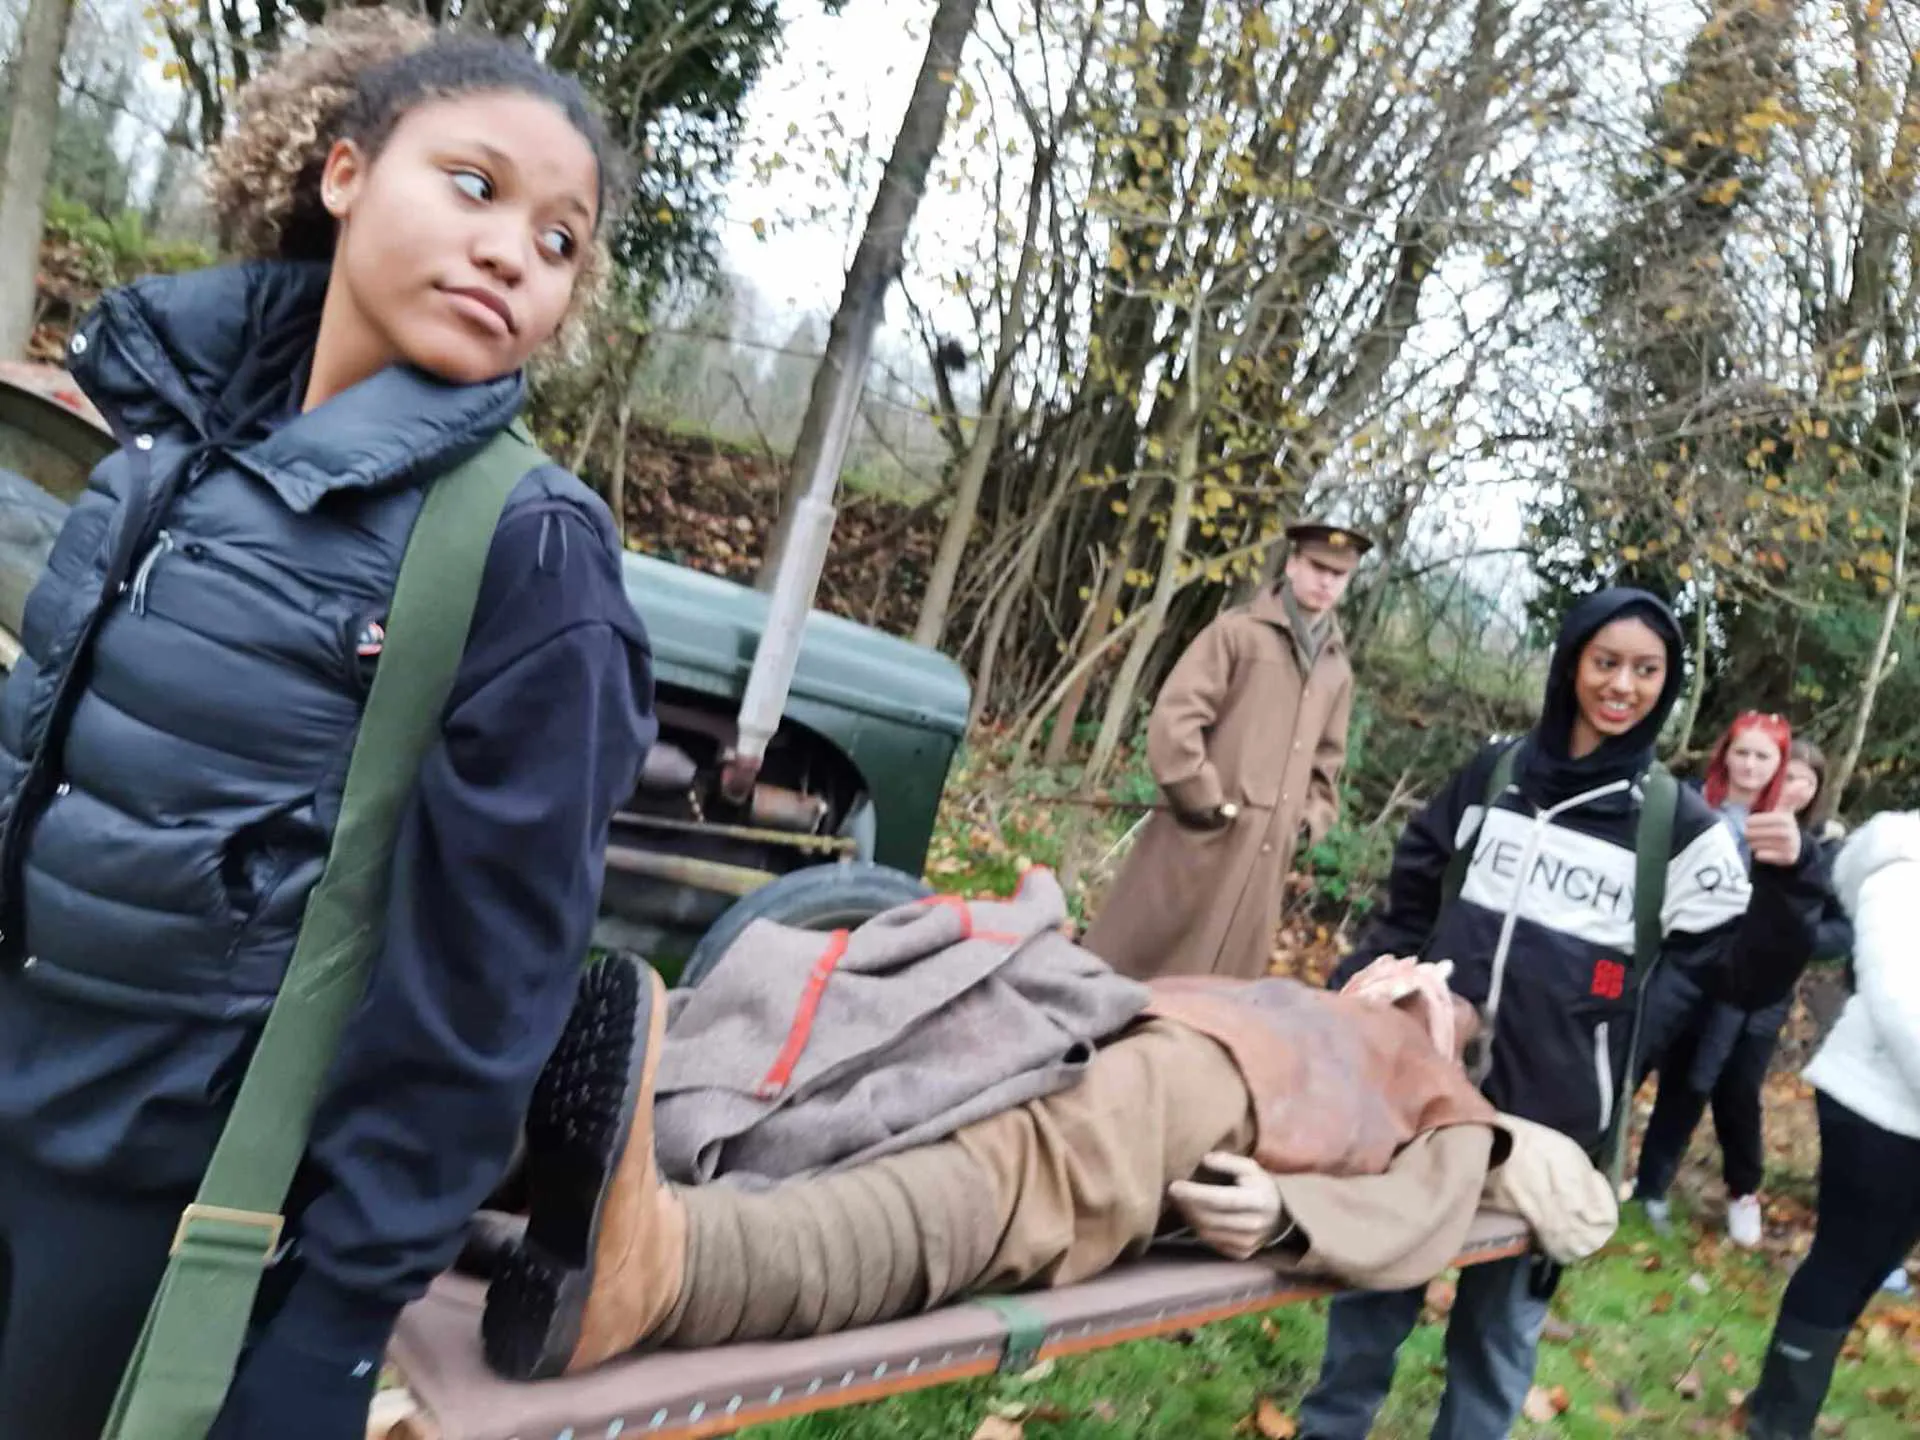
771, 678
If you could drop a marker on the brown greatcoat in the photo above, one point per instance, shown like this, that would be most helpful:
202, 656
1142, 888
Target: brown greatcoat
1235, 722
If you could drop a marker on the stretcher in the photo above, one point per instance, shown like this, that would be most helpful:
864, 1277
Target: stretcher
689, 1394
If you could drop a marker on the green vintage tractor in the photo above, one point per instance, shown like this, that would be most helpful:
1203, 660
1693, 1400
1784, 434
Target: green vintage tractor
821, 822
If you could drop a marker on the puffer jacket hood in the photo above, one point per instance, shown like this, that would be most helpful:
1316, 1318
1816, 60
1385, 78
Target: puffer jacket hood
1886, 839
200, 349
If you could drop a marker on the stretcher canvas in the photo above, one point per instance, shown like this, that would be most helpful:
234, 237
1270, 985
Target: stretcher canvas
683, 1395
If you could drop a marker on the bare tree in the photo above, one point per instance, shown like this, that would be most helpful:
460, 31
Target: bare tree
32, 117
834, 403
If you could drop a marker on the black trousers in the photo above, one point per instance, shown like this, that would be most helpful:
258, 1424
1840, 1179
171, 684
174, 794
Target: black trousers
1737, 1116
78, 1267
1869, 1218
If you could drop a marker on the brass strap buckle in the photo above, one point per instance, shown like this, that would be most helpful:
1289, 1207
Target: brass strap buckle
271, 1225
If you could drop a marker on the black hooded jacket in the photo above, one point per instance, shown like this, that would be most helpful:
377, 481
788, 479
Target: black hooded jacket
1541, 934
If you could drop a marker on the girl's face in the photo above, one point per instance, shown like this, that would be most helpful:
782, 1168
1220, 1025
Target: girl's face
1752, 759
1799, 788
1622, 671
460, 244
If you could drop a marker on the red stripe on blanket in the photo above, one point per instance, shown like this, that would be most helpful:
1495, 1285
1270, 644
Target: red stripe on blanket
781, 1075
954, 902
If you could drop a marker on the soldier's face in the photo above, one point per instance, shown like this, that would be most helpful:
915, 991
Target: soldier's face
1318, 576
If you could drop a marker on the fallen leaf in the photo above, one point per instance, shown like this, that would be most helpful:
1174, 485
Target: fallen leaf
1662, 1303
1613, 1419
1558, 1331
1735, 1399
1729, 1362
1893, 1397
1688, 1385
1273, 1422
1544, 1405
995, 1427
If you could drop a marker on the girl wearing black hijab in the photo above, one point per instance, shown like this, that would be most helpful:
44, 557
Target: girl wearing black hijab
1541, 938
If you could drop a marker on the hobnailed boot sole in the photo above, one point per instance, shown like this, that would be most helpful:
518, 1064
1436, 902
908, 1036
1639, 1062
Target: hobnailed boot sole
577, 1132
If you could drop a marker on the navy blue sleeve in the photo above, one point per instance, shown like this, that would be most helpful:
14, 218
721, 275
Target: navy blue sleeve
1405, 923
496, 882
1753, 960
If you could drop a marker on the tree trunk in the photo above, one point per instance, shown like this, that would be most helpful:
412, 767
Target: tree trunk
1878, 667
932, 623
835, 399
1697, 693
32, 117
1105, 602
1113, 723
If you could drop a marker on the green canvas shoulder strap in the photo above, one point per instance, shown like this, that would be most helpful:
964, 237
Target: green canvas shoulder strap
1462, 857
184, 1361
1652, 850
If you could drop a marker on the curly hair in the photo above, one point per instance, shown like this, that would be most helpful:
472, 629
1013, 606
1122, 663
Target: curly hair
355, 79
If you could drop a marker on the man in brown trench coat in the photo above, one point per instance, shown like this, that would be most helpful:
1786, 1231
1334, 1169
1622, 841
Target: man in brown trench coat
1246, 739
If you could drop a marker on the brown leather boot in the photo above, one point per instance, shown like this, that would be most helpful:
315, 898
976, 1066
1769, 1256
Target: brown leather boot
606, 1245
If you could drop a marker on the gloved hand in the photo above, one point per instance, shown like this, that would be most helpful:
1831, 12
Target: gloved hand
1217, 818
1237, 1219
1419, 987
1548, 1181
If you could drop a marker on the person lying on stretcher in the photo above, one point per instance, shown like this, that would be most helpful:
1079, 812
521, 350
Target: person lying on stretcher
1039, 1119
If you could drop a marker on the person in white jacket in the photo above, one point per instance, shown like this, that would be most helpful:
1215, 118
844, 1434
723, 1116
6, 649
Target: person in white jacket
1867, 1083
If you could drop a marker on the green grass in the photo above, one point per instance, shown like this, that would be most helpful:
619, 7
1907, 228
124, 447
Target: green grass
1633, 1319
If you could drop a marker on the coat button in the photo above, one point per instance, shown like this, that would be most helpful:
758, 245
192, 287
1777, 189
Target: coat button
1267, 849
79, 346
143, 442
30, 962
63, 789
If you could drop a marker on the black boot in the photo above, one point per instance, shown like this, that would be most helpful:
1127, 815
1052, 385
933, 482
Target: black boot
1793, 1382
